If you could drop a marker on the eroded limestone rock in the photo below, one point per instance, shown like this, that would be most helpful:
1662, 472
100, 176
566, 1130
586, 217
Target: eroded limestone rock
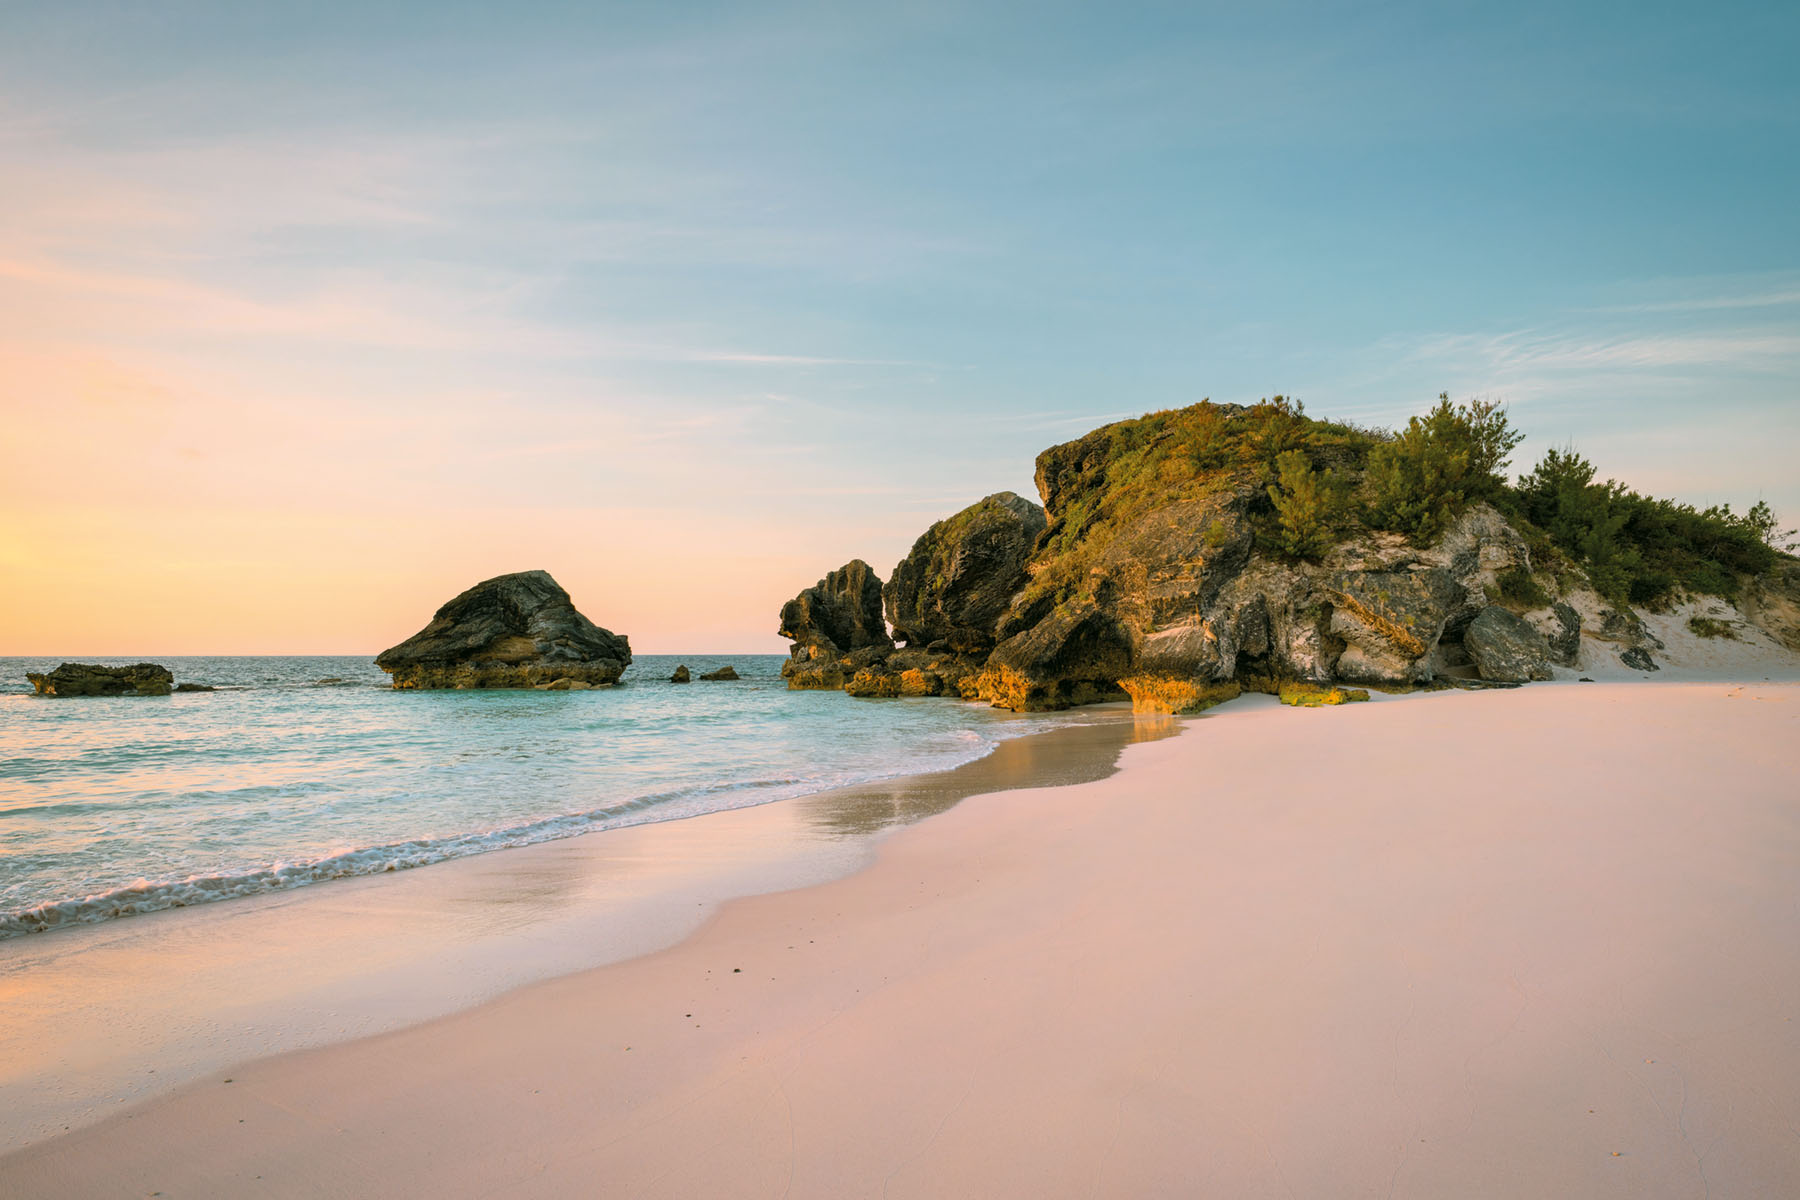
1506, 648
511, 631
89, 679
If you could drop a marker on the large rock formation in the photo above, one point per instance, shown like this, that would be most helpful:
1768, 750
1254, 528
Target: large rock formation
1506, 648
962, 574
87, 679
1185, 553
512, 631
836, 627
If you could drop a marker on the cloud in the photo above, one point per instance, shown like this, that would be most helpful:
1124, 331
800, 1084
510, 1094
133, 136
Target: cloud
1526, 350
1765, 299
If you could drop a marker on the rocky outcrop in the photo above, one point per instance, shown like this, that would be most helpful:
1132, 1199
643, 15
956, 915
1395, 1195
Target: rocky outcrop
1562, 633
962, 574
1223, 546
1390, 622
836, 627
723, 673
1627, 631
88, 679
681, 675
1506, 648
511, 631
1076, 655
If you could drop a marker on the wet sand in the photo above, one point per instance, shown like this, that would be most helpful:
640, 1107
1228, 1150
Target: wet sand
95, 1018
1511, 943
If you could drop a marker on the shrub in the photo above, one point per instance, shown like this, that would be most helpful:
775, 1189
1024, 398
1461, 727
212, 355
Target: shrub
1520, 589
1440, 462
1640, 550
1310, 505
1707, 627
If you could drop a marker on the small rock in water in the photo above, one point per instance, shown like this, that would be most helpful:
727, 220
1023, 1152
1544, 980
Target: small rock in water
87, 679
195, 687
681, 675
725, 672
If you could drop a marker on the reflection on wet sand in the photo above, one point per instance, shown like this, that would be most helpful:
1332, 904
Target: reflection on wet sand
145, 1003
1080, 754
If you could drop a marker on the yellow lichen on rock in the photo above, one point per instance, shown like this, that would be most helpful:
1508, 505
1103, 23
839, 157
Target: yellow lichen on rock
1165, 694
1315, 695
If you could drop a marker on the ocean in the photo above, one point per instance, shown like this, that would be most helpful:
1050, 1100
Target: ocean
305, 769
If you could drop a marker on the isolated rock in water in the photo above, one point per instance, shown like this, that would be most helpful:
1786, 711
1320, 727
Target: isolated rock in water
681, 675
510, 631
725, 672
195, 687
962, 574
87, 679
1638, 659
838, 614
1506, 648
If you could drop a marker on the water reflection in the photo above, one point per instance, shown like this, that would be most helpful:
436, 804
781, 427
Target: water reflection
1080, 754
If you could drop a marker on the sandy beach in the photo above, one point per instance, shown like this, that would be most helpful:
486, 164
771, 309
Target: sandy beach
1508, 943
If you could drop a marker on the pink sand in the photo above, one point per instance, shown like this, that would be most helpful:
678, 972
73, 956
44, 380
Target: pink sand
1542, 942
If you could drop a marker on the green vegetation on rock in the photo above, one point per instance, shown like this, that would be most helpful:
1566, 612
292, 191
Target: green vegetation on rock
1314, 695
1438, 465
1188, 552
1639, 550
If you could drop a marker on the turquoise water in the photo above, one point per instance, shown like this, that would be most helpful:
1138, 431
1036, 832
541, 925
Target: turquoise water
305, 769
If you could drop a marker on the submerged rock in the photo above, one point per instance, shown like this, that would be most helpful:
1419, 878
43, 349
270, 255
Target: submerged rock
681, 675
1506, 648
88, 679
511, 631
961, 575
195, 687
725, 672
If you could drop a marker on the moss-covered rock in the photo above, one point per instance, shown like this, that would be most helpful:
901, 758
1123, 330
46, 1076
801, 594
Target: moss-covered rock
1313, 695
840, 613
962, 574
512, 631
88, 679
1163, 694
1077, 655
830, 622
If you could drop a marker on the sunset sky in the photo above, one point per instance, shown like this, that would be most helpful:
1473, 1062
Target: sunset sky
313, 315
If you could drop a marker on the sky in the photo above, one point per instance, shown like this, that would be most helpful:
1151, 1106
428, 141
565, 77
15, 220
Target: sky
312, 315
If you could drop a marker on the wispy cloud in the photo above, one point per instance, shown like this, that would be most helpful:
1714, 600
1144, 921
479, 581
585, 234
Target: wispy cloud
1528, 350
1770, 299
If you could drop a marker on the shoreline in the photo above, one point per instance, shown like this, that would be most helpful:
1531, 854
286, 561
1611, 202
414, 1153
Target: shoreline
150, 1001
1550, 957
